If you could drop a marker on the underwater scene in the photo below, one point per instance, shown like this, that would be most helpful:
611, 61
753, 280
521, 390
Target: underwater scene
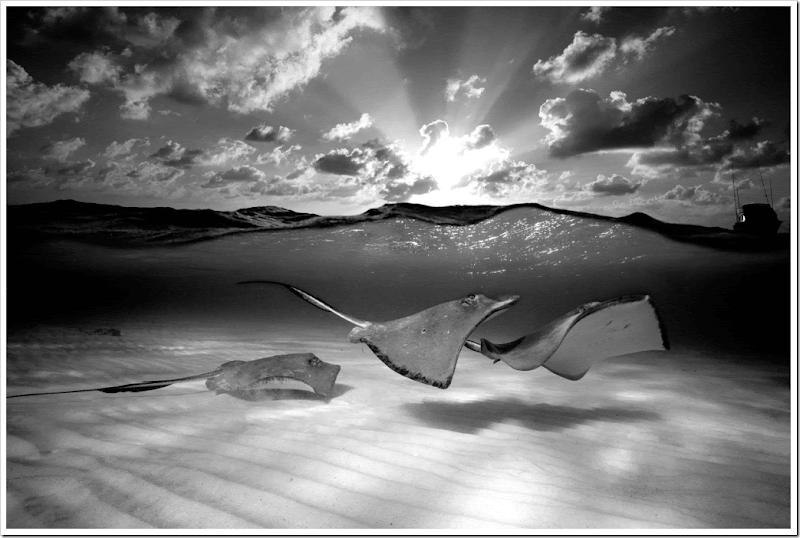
693, 436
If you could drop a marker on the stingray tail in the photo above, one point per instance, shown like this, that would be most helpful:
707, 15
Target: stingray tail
130, 387
316, 301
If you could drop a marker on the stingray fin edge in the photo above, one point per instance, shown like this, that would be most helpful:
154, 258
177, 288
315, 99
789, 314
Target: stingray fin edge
405, 372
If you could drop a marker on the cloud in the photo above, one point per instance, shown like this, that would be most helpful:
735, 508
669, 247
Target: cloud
245, 60
267, 133
785, 203
586, 57
467, 89
481, 136
616, 185
595, 14
507, 178
75, 168
227, 150
431, 134
695, 195
344, 131
590, 54
340, 162
115, 149
746, 131
174, 155
765, 154
277, 155
639, 47
61, 150
96, 67
238, 174
400, 191
583, 122
33, 104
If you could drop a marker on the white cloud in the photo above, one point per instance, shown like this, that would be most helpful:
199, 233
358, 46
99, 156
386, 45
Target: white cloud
509, 179
590, 54
586, 57
343, 131
595, 14
642, 46
464, 88
33, 104
115, 148
277, 155
96, 67
63, 149
227, 150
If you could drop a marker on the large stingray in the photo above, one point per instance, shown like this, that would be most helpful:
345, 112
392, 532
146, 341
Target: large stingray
245, 377
570, 344
423, 346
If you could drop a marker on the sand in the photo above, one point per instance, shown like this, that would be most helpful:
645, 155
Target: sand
654, 440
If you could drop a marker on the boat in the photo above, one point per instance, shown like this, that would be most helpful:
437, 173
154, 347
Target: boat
755, 219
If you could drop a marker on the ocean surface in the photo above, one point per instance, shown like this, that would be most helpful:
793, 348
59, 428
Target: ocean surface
695, 437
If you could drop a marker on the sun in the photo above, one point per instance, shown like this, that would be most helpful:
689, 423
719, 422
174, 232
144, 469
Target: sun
450, 161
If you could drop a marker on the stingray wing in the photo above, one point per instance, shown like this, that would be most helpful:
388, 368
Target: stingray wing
616, 327
425, 346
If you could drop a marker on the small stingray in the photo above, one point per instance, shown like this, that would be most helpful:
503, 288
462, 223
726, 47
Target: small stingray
280, 371
424, 346
570, 344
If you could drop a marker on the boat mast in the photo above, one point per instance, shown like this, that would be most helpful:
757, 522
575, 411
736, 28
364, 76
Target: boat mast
762, 182
735, 199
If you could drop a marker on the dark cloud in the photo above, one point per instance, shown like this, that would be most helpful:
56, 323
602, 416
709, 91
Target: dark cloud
762, 155
431, 133
174, 155
340, 162
746, 131
401, 192
583, 122
237, 174
785, 203
616, 185
267, 133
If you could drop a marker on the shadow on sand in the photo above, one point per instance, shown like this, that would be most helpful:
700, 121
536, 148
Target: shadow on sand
473, 416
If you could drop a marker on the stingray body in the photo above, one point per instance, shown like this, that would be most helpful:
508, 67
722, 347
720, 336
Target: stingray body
424, 346
280, 371
570, 344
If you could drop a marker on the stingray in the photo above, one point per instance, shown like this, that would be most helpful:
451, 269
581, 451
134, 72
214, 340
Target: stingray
424, 346
246, 377
570, 344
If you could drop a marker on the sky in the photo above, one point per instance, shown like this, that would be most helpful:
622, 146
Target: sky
334, 110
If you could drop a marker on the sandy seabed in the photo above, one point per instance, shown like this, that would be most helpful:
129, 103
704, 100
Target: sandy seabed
653, 440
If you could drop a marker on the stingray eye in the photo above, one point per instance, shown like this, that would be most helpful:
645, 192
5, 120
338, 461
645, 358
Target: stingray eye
469, 300
313, 361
